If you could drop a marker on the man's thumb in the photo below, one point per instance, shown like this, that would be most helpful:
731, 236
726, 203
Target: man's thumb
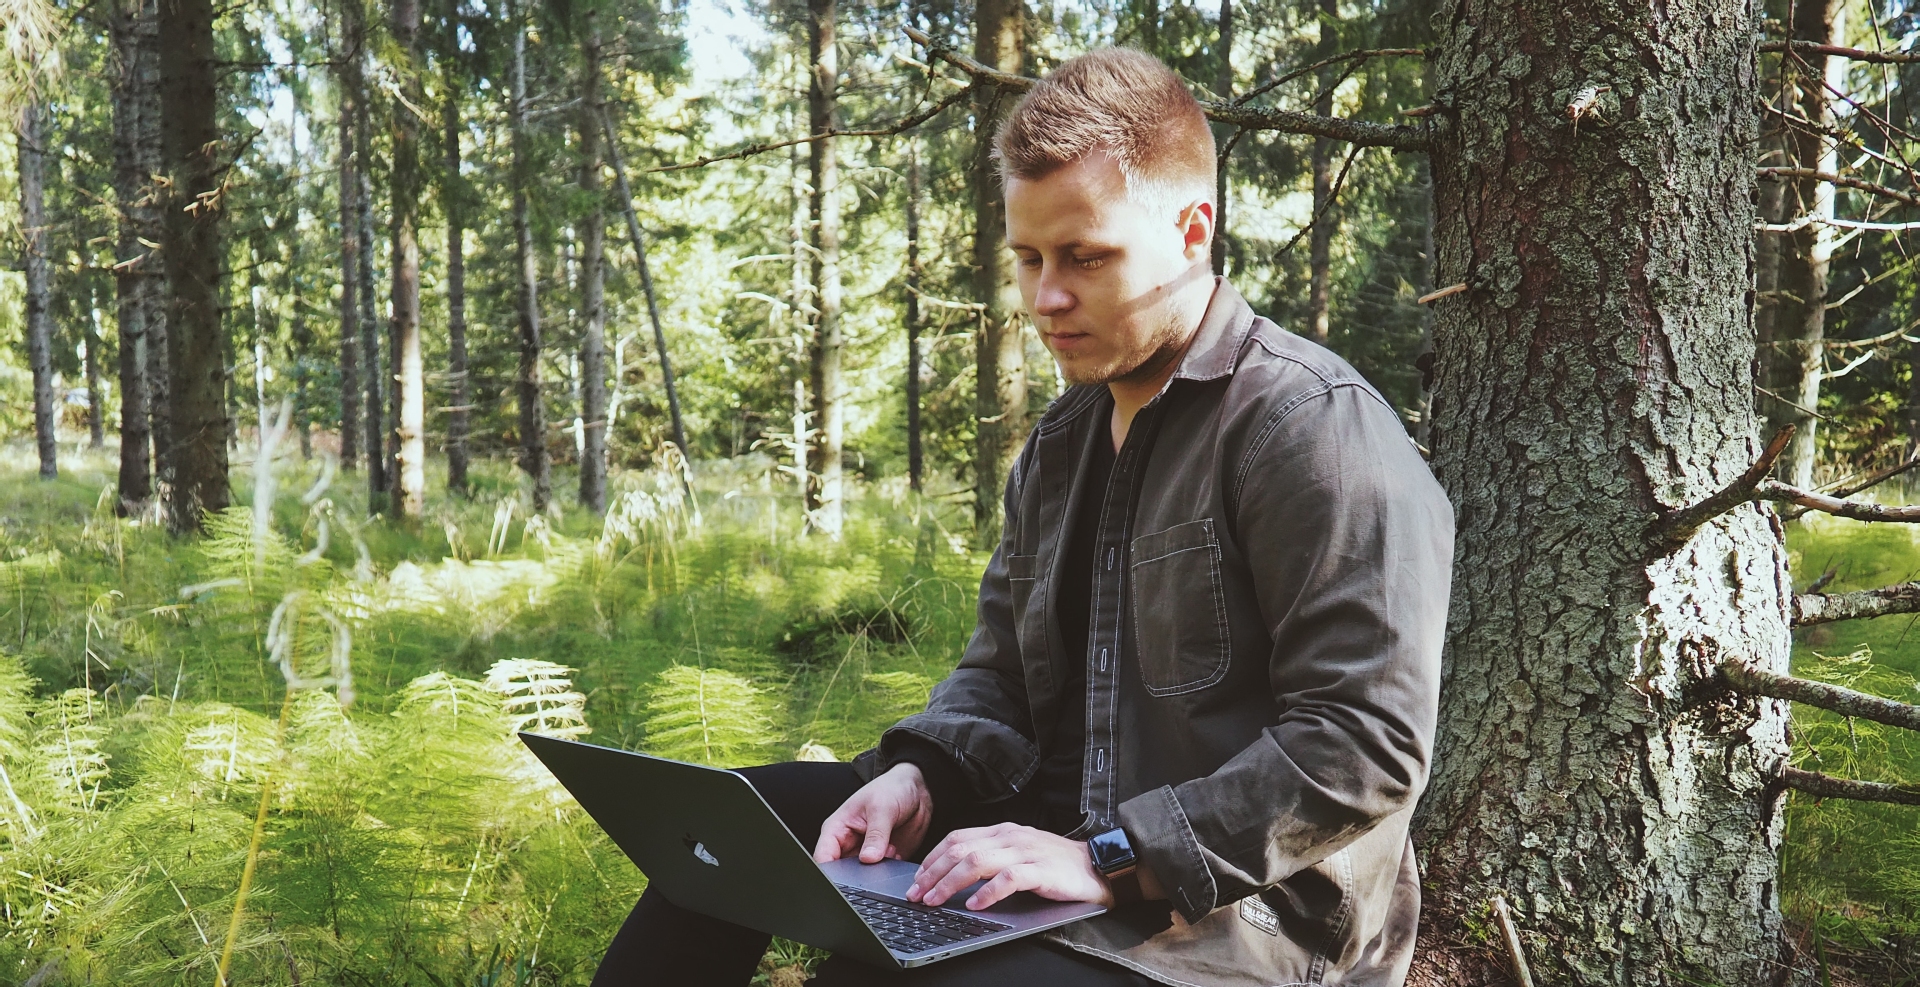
875, 845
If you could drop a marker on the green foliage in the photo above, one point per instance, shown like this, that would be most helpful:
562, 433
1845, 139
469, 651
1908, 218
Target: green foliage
410, 838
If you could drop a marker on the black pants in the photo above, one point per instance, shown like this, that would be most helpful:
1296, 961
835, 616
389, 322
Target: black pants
666, 945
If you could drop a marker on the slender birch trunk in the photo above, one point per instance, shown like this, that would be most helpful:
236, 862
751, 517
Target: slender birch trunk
593, 277
830, 346
410, 447
533, 417
31, 141
453, 201
1000, 395
350, 388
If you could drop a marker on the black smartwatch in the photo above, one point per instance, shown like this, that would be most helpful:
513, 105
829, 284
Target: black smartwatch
1113, 857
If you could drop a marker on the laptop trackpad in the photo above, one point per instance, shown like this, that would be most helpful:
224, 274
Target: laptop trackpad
888, 877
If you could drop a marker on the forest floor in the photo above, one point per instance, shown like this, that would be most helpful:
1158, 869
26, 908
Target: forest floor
146, 718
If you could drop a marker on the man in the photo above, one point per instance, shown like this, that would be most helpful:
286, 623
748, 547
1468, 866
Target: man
1202, 689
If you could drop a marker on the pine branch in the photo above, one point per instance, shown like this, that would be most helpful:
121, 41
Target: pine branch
1357, 132
1677, 526
1869, 481
1825, 608
1856, 54
888, 131
1744, 677
1828, 787
1857, 510
1843, 181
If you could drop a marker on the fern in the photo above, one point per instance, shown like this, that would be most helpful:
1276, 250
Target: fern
710, 716
67, 740
538, 697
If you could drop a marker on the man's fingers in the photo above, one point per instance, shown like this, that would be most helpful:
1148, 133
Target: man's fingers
833, 842
1019, 877
874, 848
974, 863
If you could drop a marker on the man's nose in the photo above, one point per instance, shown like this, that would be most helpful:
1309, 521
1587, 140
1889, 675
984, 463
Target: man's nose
1052, 299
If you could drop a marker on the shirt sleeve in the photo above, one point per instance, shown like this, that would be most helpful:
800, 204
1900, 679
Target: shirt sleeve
1350, 544
980, 716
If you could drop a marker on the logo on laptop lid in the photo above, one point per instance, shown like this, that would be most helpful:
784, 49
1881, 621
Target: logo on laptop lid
700, 850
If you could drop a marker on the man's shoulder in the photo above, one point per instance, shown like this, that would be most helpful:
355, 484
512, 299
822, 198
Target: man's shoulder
1277, 371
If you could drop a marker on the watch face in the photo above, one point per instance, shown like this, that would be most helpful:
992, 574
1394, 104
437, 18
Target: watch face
1111, 851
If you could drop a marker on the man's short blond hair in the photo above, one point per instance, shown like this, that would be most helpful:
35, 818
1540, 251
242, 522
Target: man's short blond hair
1126, 103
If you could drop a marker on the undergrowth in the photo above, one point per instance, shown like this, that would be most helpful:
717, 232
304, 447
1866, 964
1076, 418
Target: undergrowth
363, 679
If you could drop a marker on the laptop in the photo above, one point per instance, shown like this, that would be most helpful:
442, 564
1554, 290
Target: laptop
712, 845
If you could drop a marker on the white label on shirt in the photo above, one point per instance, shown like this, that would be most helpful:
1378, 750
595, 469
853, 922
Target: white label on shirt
1259, 915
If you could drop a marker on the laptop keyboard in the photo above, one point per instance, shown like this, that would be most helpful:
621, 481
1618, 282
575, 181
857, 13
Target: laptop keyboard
910, 928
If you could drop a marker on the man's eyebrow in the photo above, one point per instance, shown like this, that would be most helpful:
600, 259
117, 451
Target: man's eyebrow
1069, 245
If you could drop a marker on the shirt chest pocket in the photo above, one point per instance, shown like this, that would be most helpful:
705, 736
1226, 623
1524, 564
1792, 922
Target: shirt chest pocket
1179, 609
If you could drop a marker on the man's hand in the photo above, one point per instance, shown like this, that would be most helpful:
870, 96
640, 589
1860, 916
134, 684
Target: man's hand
887, 817
1015, 858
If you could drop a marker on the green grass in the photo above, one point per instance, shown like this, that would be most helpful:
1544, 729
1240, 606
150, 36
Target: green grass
1851, 870
408, 840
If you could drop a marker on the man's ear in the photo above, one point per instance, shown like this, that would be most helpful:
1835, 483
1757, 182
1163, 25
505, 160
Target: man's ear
1196, 228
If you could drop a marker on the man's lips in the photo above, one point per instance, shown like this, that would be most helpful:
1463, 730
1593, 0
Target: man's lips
1067, 340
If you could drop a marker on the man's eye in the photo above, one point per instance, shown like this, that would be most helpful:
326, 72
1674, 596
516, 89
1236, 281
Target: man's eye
1090, 263
1030, 262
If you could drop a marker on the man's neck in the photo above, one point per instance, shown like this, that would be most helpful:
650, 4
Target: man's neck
1133, 393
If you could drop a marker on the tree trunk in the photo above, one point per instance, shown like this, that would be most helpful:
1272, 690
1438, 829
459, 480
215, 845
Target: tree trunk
830, 345
132, 40
593, 282
96, 399
350, 389
302, 375
533, 416
150, 221
374, 392
409, 438
639, 240
1223, 135
1320, 240
1594, 374
1000, 388
1800, 309
453, 202
191, 141
32, 145
915, 461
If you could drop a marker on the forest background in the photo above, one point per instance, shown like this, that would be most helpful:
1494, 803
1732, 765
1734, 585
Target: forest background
638, 369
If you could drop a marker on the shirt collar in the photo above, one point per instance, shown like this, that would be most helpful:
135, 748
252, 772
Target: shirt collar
1215, 350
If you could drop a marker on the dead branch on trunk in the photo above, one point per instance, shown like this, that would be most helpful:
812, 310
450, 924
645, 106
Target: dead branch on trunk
891, 130
1856, 54
1828, 787
1857, 510
1743, 676
1825, 578
1843, 181
1873, 479
1825, 608
1357, 132
1679, 525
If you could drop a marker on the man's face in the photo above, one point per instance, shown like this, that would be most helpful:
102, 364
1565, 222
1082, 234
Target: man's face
1110, 282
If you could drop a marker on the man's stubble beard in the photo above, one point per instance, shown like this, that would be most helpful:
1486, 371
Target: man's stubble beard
1141, 364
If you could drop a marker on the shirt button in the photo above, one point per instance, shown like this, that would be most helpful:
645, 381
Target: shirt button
1100, 759
1109, 558
1103, 659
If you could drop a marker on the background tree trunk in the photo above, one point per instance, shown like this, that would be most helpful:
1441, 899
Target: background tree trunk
374, 385
150, 223
1800, 308
191, 141
350, 389
135, 482
32, 145
96, 398
453, 202
915, 455
1593, 375
830, 345
593, 285
1320, 240
302, 378
1000, 395
1223, 89
409, 427
533, 416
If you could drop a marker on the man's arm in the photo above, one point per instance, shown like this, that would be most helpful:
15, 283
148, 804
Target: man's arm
1351, 542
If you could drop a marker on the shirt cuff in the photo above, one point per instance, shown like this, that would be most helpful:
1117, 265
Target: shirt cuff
1163, 840
945, 784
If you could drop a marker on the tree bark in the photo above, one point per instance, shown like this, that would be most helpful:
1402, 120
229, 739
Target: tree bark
453, 203
374, 391
191, 140
96, 399
639, 239
1591, 377
593, 281
1000, 388
830, 344
350, 388
915, 461
533, 416
1320, 240
1222, 135
302, 378
32, 145
132, 40
1805, 255
409, 433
